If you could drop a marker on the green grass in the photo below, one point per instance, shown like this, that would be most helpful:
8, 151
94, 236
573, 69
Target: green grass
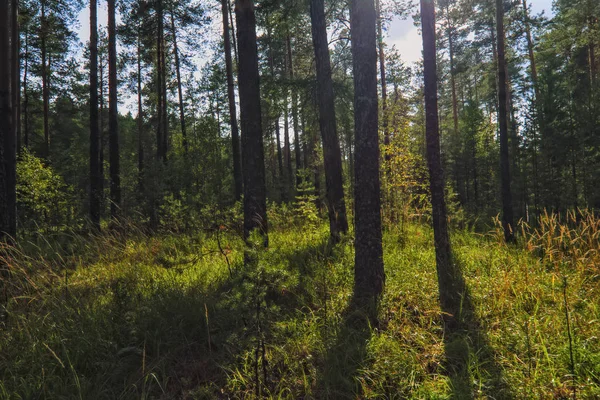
135, 317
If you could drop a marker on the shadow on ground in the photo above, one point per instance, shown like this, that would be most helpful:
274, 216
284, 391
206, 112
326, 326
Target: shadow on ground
337, 378
162, 338
471, 363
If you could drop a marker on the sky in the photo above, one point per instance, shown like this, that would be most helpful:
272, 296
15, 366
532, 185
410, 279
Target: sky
402, 33
405, 36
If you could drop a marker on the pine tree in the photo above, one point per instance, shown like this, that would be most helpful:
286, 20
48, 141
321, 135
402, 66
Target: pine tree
369, 275
338, 224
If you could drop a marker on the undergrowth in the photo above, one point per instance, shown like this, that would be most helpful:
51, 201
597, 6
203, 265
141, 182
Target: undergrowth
132, 316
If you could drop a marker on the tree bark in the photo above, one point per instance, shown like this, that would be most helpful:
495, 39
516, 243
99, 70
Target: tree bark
449, 298
16, 72
179, 88
536, 102
369, 274
140, 116
507, 211
102, 69
160, 150
297, 152
25, 93
452, 71
6, 122
10, 149
384, 105
255, 208
235, 136
163, 68
113, 129
45, 83
287, 157
95, 187
338, 223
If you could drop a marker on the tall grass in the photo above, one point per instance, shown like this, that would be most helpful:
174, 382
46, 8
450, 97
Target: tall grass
128, 315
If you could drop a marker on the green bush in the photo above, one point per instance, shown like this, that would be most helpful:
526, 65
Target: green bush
43, 198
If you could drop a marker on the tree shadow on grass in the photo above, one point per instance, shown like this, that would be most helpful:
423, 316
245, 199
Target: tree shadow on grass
162, 337
471, 363
337, 378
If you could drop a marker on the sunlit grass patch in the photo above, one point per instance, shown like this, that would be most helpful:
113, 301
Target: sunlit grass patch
179, 316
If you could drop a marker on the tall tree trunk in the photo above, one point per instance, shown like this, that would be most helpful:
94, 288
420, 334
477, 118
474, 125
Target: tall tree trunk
95, 177
452, 71
233, 35
449, 298
279, 157
507, 211
277, 164
165, 116
16, 72
113, 129
7, 130
384, 105
45, 83
102, 69
25, 93
338, 223
140, 112
369, 275
253, 164
160, 151
536, 103
235, 136
297, 152
287, 152
179, 88
10, 148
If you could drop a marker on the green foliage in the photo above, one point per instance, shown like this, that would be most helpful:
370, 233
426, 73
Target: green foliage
161, 316
44, 201
305, 206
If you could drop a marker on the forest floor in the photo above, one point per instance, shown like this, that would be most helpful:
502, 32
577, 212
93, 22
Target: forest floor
131, 316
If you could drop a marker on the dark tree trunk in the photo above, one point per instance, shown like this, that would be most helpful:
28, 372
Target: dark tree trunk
163, 67
235, 136
140, 116
161, 153
369, 275
45, 83
277, 164
536, 103
16, 72
452, 71
7, 130
113, 129
233, 35
179, 88
384, 113
279, 155
255, 208
447, 278
338, 223
25, 93
10, 148
507, 211
287, 157
297, 152
102, 69
95, 176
